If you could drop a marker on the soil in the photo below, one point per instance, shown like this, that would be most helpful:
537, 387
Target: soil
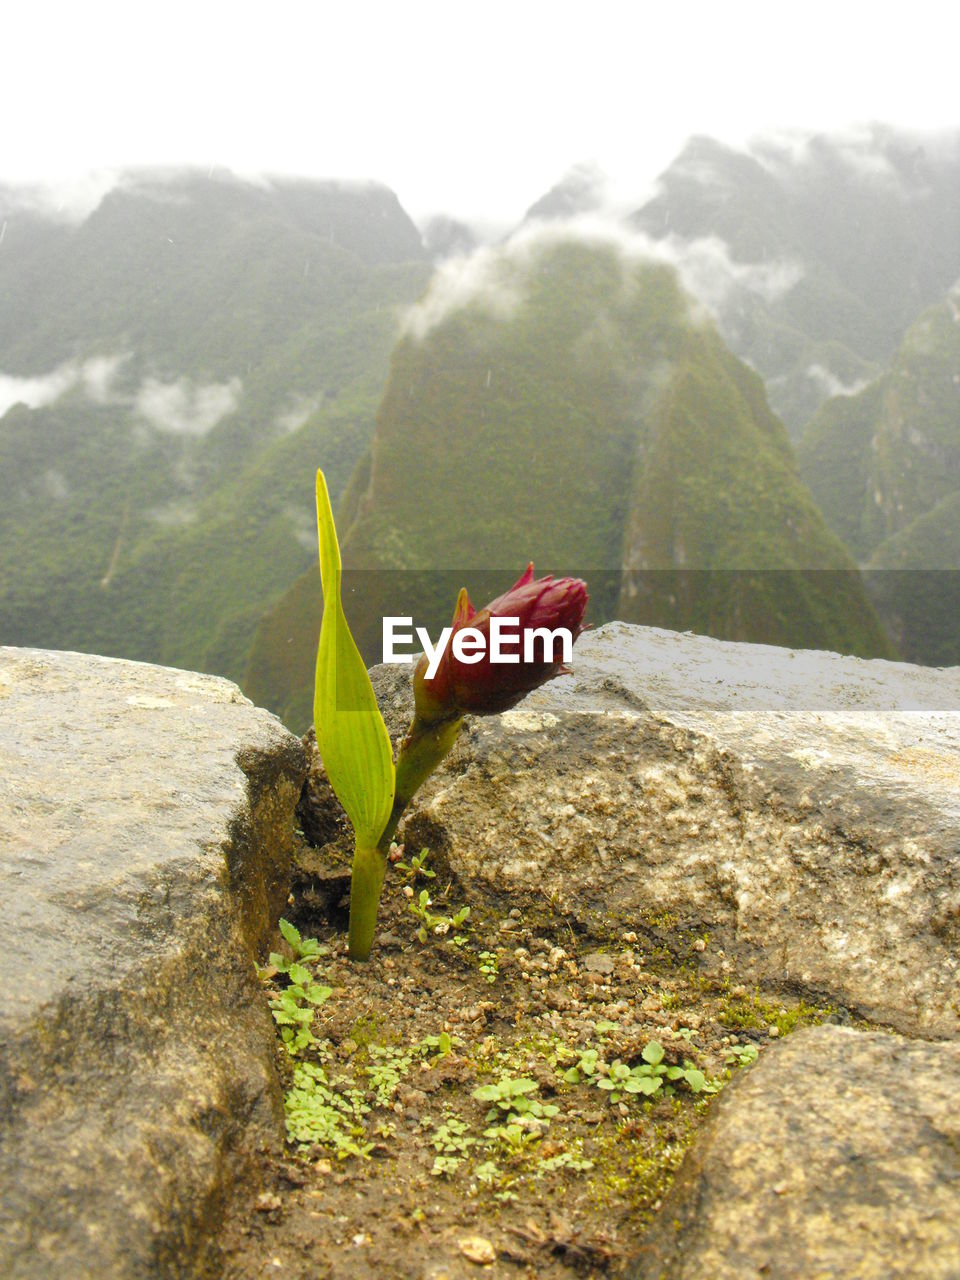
514, 992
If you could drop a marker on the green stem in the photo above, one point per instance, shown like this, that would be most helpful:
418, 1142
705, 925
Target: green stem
369, 868
420, 752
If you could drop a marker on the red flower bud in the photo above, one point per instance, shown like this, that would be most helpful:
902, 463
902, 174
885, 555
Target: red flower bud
484, 687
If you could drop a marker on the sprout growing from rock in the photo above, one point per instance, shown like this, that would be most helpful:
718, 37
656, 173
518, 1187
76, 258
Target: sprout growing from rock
352, 737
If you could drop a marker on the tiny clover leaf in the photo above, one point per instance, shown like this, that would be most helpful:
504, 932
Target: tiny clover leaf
351, 735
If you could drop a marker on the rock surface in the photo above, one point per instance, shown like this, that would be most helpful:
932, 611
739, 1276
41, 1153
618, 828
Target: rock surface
837, 1155
798, 810
145, 841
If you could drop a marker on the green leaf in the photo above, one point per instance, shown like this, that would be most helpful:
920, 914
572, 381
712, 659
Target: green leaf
695, 1079
291, 933
653, 1053
647, 1085
299, 975
486, 1093
351, 735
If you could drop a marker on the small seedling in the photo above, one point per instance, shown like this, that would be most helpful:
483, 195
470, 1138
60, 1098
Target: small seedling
452, 1143
650, 1077
522, 1117
441, 1044
415, 868
489, 965
293, 1007
435, 924
318, 1113
741, 1055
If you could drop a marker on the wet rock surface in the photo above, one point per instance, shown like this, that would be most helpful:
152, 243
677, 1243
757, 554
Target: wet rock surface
798, 810
146, 826
838, 1154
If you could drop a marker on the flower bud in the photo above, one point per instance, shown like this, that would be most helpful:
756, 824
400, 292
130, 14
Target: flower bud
485, 687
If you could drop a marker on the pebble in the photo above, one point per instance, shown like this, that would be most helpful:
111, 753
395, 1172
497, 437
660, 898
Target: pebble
598, 962
479, 1250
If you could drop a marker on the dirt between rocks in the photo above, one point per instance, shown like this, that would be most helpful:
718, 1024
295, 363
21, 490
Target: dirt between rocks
551, 1172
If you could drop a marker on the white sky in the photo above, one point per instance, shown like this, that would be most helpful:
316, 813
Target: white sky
469, 109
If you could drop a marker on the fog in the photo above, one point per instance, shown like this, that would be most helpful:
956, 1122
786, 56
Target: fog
492, 277
472, 114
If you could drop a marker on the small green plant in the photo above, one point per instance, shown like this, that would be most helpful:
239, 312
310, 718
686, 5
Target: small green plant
441, 1044
415, 868
319, 1114
294, 1006
452, 1142
648, 1078
489, 965
521, 1118
435, 924
573, 1160
742, 1055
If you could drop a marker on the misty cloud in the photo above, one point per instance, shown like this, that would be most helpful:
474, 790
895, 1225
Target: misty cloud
95, 376
70, 199
39, 391
480, 279
831, 385
296, 414
493, 278
183, 409
98, 375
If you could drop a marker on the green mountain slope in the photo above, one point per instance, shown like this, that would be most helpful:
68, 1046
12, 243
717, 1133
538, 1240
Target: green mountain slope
884, 467
575, 408
815, 256
187, 355
878, 460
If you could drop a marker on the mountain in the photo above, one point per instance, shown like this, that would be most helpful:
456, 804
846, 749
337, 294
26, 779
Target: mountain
815, 254
560, 400
877, 460
884, 467
173, 367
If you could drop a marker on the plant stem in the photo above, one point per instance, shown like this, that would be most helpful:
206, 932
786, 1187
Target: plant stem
420, 752
369, 868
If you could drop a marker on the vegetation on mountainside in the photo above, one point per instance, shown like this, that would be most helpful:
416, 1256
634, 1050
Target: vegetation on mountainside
867, 227
124, 533
884, 467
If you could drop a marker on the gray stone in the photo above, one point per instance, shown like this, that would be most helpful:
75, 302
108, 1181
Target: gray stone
838, 1154
146, 828
800, 810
